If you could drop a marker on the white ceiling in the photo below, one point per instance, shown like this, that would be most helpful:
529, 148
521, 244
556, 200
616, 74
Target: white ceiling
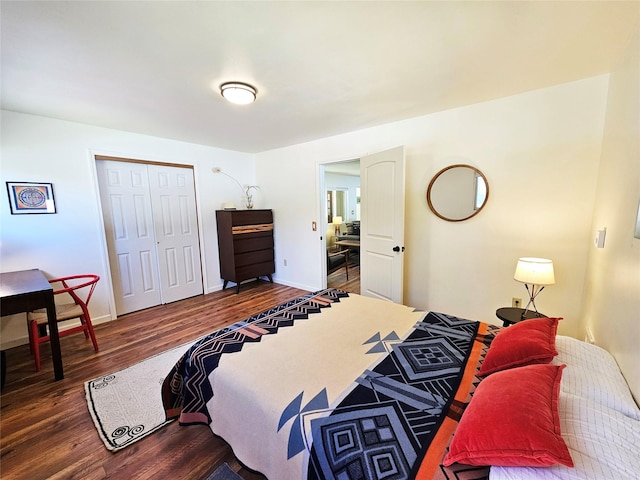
321, 68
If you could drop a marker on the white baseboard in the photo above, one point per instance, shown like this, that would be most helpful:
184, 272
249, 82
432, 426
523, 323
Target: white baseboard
308, 288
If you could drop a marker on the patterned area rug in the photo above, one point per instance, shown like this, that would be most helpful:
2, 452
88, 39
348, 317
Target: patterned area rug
127, 405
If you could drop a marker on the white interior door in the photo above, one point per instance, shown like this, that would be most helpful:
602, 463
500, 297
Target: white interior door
382, 226
174, 212
151, 233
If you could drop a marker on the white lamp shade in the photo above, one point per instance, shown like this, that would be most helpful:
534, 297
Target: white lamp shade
535, 271
337, 220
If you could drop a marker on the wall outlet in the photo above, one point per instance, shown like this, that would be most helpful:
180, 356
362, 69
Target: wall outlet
588, 336
516, 302
600, 236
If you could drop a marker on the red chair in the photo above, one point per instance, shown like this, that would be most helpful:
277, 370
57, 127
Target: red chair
76, 287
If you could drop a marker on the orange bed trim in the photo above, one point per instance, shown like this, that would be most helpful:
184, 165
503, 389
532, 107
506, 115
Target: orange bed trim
433, 457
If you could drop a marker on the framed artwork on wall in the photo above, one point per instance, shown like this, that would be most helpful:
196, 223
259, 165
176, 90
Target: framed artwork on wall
31, 197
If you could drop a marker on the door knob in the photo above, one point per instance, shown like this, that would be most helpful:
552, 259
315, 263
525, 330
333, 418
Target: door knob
397, 248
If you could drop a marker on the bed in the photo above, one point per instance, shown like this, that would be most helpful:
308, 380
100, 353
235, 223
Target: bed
336, 385
598, 418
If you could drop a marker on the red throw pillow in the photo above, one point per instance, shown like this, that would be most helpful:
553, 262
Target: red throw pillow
512, 421
525, 343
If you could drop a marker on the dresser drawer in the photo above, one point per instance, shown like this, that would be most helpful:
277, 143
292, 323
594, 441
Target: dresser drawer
249, 242
255, 270
257, 256
251, 217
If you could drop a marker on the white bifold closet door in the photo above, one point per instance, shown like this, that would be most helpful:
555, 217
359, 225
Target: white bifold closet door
152, 233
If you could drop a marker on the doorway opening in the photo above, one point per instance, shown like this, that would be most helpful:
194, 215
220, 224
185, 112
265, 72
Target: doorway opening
381, 234
342, 223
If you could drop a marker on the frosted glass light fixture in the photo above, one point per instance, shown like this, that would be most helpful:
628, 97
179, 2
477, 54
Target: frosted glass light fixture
537, 273
238, 93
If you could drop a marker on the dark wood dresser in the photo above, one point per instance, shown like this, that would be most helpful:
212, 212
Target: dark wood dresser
245, 245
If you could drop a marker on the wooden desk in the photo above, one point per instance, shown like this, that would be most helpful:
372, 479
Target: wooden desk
28, 290
349, 243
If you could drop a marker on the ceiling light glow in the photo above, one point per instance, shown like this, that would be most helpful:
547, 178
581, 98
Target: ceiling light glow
239, 93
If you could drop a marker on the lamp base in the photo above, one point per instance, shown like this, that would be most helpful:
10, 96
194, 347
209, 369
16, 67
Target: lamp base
533, 293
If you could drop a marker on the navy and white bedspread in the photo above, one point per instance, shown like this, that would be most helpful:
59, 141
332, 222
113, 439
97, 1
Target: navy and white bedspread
357, 388
385, 424
186, 390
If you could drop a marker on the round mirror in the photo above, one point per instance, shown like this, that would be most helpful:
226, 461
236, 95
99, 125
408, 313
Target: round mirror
457, 192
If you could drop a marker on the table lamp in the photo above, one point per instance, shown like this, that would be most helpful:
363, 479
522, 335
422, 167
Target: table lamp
537, 273
337, 221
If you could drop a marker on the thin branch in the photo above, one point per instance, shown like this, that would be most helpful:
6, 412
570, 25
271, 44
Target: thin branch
246, 190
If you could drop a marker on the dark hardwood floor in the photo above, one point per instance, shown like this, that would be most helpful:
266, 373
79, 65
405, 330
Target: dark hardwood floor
46, 431
338, 279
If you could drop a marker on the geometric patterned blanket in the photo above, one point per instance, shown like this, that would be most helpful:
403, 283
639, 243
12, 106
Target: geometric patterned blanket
395, 422
385, 425
186, 390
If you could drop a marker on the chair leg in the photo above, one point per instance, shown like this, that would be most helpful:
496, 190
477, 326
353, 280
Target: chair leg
34, 342
92, 334
86, 329
30, 338
346, 263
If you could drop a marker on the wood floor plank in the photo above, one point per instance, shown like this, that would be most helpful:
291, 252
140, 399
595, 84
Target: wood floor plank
46, 431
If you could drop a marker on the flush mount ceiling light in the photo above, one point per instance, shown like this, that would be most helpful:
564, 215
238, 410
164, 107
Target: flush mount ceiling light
240, 93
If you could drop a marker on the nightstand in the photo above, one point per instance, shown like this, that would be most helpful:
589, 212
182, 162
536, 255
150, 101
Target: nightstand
511, 315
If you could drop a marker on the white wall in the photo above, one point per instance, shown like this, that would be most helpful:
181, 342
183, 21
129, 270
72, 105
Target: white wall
539, 151
612, 294
72, 241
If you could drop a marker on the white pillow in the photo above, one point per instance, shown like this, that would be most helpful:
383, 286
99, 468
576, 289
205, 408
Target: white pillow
593, 373
603, 444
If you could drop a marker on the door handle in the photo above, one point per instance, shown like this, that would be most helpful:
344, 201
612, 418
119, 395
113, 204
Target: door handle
397, 248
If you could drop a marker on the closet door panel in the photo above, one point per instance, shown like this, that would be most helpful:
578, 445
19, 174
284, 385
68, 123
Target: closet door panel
173, 204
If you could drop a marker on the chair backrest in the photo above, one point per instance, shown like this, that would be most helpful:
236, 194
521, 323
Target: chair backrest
336, 260
71, 284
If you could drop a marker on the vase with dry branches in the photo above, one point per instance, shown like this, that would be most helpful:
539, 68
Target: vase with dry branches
247, 190
248, 196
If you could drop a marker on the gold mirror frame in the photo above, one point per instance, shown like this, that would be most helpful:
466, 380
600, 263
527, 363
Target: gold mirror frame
438, 175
